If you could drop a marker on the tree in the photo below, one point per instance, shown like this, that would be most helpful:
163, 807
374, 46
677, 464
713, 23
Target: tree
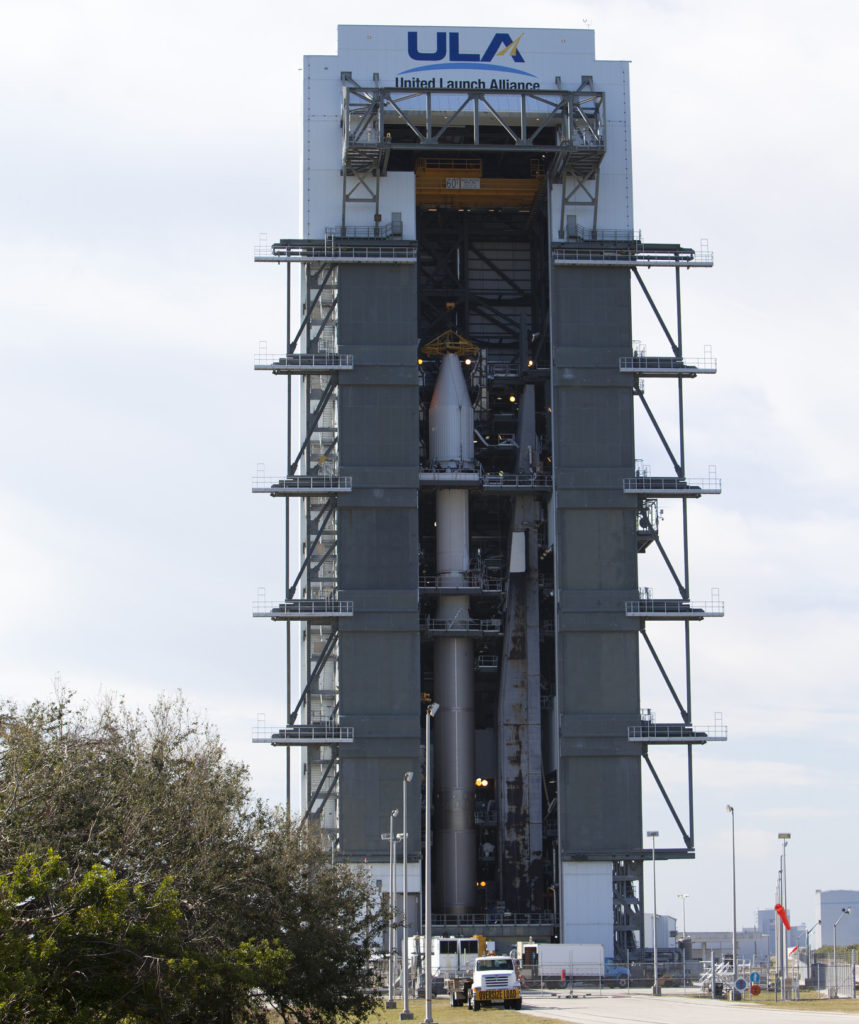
145, 856
330, 921
102, 950
145, 795
70, 948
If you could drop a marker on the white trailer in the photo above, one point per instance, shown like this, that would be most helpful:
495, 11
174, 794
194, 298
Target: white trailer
560, 962
451, 955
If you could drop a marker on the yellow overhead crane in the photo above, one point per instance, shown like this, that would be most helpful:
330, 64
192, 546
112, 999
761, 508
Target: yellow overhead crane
450, 341
458, 183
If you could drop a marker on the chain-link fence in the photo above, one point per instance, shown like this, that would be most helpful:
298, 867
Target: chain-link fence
835, 980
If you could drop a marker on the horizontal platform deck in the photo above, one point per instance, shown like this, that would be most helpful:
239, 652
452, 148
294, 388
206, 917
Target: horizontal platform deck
318, 734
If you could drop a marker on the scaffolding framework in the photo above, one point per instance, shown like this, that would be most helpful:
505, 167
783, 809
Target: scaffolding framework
312, 477
648, 489
567, 128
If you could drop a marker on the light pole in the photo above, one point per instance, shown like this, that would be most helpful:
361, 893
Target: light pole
808, 950
652, 836
390, 1004
834, 988
779, 925
684, 896
730, 810
431, 710
406, 1014
784, 836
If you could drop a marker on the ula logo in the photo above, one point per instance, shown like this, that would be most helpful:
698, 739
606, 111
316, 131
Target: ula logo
447, 45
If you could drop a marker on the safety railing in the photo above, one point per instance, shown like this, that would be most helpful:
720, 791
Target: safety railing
578, 255
672, 485
303, 608
298, 362
462, 626
450, 478
605, 234
320, 484
654, 608
669, 365
675, 732
474, 581
335, 251
304, 735
516, 481
490, 917
363, 231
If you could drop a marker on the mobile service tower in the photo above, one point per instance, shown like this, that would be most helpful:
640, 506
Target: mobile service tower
461, 380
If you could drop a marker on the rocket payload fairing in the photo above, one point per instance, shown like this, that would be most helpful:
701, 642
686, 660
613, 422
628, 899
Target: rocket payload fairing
451, 448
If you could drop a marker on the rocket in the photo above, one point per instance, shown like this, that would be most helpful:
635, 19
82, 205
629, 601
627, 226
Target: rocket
451, 448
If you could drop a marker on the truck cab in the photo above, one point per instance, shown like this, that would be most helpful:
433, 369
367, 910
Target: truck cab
494, 980
616, 973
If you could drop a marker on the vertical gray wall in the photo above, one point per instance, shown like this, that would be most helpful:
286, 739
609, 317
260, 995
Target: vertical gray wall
378, 555
599, 771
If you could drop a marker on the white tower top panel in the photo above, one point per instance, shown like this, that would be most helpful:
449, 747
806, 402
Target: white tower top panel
511, 59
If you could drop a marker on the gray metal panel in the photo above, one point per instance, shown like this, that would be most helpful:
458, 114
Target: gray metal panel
381, 602
374, 727
378, 548
378, 554
604, 819
387, 691
599, 782
375, 357
601, 674
371, 787
608, 561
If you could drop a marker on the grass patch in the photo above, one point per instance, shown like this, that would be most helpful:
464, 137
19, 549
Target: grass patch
806, 1001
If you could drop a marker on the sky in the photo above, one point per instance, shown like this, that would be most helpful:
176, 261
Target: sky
149, 145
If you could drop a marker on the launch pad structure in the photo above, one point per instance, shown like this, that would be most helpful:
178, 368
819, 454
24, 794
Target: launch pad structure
461, 379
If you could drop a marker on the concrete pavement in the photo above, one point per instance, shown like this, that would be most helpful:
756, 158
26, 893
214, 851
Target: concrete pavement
641, 1008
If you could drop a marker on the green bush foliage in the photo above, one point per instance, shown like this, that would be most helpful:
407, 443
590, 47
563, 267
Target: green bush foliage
139, 882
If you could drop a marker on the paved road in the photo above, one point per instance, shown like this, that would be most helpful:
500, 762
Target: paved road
617, 1008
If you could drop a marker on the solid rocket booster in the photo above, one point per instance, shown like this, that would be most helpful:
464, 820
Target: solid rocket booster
451, 448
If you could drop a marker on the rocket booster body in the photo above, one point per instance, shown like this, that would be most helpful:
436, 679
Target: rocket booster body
451, 448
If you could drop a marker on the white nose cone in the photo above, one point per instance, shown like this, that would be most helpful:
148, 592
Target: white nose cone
451, 418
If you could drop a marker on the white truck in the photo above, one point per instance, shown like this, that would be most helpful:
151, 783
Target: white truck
452, 962
560, 963
494, 980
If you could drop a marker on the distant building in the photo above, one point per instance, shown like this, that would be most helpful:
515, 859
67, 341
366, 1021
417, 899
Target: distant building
666, 931
766, 924
753, 946
830, 903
